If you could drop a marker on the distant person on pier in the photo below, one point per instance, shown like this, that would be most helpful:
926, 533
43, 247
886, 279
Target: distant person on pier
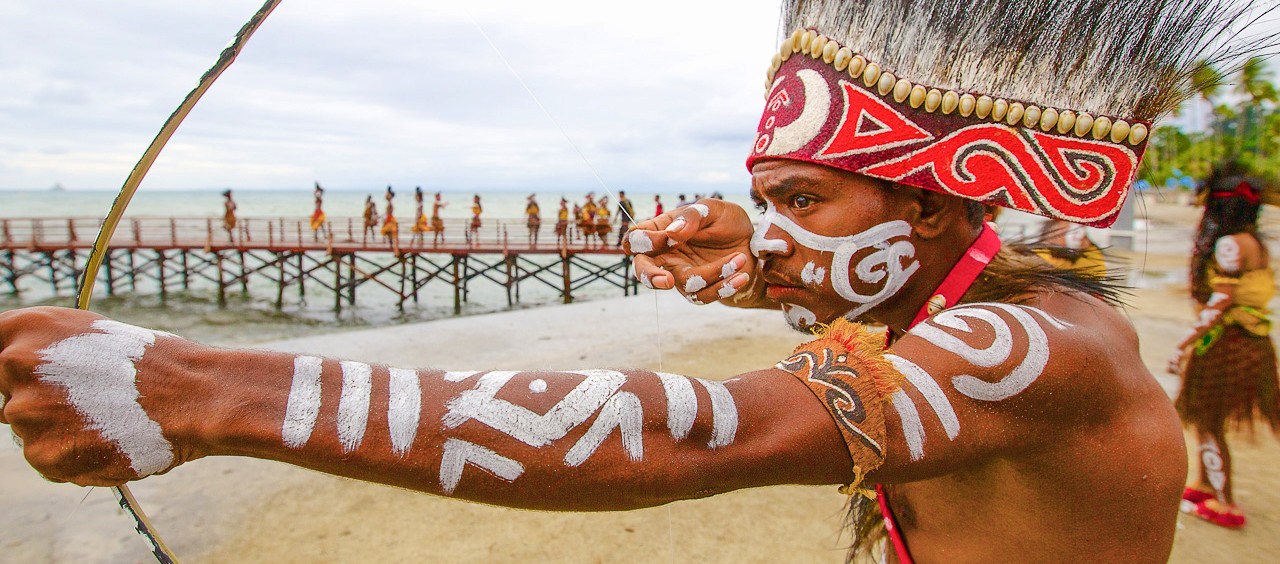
626, 214
473, 231
317, 216
657, 205
370, 218
421, 224
682, 202
587, 218
390, 229
577, 219
1227, 361
229, 215
437, 223
562, 222
603, 225
534, 215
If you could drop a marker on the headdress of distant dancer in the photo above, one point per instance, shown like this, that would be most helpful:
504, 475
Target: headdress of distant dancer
1044, 106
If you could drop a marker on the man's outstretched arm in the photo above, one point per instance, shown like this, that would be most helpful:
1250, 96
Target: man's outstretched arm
98, 402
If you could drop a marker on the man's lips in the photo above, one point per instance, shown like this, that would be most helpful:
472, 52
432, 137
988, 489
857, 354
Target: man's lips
780, 287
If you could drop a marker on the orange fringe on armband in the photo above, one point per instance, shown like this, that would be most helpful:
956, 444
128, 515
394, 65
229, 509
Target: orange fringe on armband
845, 367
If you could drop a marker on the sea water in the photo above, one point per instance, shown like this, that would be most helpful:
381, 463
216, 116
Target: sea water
252, 317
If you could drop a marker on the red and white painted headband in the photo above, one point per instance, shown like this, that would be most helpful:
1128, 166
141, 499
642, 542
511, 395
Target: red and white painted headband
827, 106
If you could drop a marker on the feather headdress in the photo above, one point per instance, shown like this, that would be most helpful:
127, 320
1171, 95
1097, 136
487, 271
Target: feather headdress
1039, 105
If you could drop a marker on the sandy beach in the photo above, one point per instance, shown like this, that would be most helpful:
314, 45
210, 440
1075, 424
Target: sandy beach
241, 510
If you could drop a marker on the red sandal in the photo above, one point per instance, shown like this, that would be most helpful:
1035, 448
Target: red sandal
1194, 495
1219, 518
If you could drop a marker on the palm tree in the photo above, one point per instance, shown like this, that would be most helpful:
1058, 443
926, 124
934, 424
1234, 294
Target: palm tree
1256, 87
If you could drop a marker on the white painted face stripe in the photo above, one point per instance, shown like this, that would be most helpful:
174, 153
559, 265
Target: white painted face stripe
884, 266
931, 391
98, 371
813, 274
459, 453
724, 423
304, 402
404, 407
912, 429
623, 412
353, 406
798, 317
682, 404
524, 425
640, 242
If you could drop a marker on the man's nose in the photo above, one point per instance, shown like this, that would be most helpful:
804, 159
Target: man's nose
770, 241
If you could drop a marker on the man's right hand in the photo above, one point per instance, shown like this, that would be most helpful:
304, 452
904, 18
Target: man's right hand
702, 251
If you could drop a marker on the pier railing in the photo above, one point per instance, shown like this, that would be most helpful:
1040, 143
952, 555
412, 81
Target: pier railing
160, 254
294, 233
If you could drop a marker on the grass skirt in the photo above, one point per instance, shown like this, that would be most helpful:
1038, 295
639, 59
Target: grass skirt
1231, 384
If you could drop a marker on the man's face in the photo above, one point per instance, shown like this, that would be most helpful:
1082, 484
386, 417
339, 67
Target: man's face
831, 243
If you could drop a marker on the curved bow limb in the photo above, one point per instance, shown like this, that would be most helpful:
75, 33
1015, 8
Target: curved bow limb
99, 251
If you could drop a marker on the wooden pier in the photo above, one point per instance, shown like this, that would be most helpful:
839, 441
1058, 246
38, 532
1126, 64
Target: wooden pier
166, 254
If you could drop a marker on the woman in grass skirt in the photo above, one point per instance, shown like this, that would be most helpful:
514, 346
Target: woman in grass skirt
1227, 361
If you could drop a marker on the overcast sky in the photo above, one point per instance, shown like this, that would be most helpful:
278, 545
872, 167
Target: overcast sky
656, 94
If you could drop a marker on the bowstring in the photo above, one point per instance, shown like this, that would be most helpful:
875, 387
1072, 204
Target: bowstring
657, 309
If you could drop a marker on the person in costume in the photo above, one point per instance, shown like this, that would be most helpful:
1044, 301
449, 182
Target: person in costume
1227, 361
626, 214
577, 219
533, 220
473, 230
1004, 415
1067, 245
603, 225
562, 223
587, 219
370, 218
229, 215
317, 215
421, 225
437, 223
390, 228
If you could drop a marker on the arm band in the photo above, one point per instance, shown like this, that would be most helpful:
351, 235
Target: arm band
845, 367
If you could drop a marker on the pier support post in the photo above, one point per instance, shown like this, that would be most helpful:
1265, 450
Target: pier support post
566, 274
222, 281
457, 288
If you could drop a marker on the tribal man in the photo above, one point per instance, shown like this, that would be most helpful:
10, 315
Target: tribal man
1009, 419
317, 215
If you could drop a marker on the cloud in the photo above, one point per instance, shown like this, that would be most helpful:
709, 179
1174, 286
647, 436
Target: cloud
390, 92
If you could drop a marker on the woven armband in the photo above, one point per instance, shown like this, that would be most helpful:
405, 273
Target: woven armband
845, 367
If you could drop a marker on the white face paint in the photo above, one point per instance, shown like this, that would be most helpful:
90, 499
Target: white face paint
353, 405
640, 242
1226, 252
813, 274
404, 407
891, 265
798, 317
459, 453
1018, 379
99, 373
304, 402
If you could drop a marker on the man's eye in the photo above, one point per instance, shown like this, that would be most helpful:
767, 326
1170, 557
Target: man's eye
760, 205
801, 202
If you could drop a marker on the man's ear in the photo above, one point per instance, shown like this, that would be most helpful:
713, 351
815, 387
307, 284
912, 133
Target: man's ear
931, 213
